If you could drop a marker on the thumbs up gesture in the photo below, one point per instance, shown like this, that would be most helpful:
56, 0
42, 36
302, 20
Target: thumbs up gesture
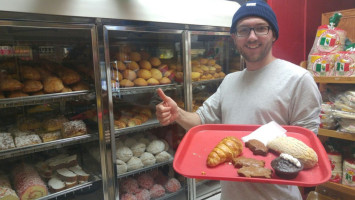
167, 110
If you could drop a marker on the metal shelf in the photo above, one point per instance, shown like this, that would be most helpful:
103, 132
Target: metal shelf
336, 134
137, 171
78, 188
46, 146
153, 123
212, 81
142, 90
47, 98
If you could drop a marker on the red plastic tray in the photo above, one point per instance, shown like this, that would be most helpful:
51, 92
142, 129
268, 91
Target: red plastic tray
190, 157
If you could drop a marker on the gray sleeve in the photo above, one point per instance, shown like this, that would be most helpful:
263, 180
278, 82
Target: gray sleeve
306, 104
210, 111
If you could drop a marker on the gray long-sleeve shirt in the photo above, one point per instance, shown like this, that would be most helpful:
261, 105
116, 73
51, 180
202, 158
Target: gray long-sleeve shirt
280, 92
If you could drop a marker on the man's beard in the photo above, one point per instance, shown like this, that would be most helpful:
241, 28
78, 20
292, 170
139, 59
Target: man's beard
255, 57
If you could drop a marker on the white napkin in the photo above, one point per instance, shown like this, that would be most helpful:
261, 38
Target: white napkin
266, 133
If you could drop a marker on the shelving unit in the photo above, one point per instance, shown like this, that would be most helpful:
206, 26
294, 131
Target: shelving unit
344, 189
336, 134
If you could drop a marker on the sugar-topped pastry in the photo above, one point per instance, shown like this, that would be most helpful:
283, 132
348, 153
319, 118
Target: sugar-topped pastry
6, 141
73, 128
27, 140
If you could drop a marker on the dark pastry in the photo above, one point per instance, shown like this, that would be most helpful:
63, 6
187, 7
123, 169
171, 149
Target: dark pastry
286, 167
255, 172
246, 162
257, 147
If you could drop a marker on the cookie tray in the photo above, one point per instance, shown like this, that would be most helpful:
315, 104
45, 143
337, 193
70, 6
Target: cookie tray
191, 155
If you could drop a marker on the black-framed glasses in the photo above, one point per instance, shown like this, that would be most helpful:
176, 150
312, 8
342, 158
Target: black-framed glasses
258, 30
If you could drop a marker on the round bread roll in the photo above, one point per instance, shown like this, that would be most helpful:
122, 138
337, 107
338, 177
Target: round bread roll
197, 69
140, 82
195, 76
203, 61
32, 86
162, 156
80, 86
145, 64
122, 56
135, 56
146, 111
124, 153
205, 69
215, 75
121, 166
212, 70
30, 73
156, 74
129, 142
116, 75
156, 146
138, 148
211, 62
153, 81
133, 66
134, 122
134, 163
119, 65
221, 74
195, 63
144, 73
52, 84
14, 94
129, 74
142, 117
218, 67
147, 159
126, 83
38, 93
164, 80
154, 61
66, 89
10, 84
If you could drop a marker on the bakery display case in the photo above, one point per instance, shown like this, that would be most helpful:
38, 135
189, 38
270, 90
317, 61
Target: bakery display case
139, 61
213, 55
48, 110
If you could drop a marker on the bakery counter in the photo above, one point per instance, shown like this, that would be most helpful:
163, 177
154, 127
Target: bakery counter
47, 98
118, 92
46, 146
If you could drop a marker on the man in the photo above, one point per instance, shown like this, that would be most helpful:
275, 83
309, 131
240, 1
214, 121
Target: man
269, 89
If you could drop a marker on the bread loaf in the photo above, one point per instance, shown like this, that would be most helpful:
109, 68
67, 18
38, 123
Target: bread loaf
296, 148
226, 150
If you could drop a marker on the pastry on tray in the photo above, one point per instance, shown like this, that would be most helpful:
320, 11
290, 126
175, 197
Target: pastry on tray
226, 150
286, 166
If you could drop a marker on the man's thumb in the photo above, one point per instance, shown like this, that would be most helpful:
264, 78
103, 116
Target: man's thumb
162, 95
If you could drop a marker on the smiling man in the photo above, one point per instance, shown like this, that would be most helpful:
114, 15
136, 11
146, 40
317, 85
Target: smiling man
269, 89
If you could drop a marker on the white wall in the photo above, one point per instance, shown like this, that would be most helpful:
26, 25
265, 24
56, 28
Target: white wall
198, 12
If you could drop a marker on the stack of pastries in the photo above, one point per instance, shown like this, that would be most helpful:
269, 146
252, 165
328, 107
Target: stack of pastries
138, 68
43, 78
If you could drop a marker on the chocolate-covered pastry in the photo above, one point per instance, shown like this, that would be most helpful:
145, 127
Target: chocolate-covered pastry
246, 162
257, 147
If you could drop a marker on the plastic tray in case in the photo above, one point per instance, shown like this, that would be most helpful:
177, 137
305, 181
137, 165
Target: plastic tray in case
191, 155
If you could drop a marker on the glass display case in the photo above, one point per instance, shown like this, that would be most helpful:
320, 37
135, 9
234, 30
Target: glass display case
81, 97
213, 56
48, 111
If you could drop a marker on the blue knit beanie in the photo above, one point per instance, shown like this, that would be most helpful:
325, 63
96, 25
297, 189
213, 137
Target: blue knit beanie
257, 8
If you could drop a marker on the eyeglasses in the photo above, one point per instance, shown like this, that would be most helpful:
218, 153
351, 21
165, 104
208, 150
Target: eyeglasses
258, 30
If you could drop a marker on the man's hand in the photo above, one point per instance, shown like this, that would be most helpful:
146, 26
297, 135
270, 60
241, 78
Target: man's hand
166, 111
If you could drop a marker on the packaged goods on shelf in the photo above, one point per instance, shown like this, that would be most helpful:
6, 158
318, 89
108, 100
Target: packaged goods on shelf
344, 64
349, 172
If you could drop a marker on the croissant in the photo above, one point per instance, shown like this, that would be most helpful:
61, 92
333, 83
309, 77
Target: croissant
226, 150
